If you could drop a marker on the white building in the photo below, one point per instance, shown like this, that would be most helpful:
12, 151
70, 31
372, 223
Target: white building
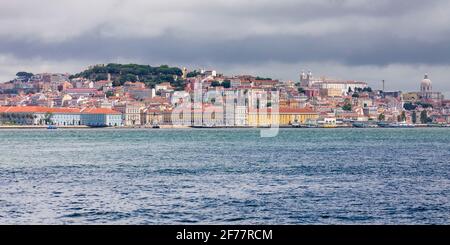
100, 117
37, 115
343, 86
240, 116
131, 113
426, 90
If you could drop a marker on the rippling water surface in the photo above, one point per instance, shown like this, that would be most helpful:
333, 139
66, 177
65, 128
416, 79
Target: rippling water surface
232, 176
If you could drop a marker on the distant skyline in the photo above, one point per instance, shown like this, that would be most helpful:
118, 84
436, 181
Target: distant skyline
398, 41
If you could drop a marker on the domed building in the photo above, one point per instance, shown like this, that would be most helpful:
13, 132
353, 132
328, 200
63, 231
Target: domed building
426, 90
426, 85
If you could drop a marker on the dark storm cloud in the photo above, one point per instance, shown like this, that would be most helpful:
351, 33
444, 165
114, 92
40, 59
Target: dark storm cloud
352, 32
345, 49
226, 33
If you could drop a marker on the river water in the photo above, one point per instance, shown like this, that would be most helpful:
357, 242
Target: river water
225, 176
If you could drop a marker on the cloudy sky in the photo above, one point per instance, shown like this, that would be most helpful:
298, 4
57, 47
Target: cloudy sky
396, 40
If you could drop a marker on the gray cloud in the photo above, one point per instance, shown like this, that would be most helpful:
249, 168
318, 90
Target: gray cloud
345, 49
346, 35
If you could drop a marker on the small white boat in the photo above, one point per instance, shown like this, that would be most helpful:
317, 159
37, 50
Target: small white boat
402, 125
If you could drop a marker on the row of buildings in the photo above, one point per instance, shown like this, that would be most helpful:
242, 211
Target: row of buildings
213, 99
38, 115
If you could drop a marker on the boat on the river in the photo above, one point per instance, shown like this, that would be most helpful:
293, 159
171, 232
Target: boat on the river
360, 125
401, 125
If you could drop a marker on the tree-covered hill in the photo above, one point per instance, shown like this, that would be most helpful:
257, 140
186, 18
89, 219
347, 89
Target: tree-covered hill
121, 73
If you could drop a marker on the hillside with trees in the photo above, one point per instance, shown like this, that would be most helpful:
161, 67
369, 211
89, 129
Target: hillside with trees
121, 73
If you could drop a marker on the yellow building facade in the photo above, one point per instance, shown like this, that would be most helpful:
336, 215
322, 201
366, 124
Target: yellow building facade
331, 92
285, 117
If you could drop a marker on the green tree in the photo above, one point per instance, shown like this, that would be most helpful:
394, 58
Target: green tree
414, 117
100, 69
121, 73
381, 117
226, 84
368, 89
24, 74
424, 117
109, 94
193, 73
48, 118
409, 106
301, 90
101, 77
347, 107
117, 83
166, 78
403, 116
263, 78
128, 78
215, 84
178, 84
425, 105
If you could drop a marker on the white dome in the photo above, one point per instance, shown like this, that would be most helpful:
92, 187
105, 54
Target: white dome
426, 81
425, 85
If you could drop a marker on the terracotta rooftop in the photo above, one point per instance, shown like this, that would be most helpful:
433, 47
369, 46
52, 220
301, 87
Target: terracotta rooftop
99, 111
286, 110
41, 109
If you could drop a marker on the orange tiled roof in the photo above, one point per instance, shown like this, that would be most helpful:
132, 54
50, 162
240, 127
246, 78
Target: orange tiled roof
157, 100
286, 110
81, 90
99, 111
41, 109
36, 109
153, 111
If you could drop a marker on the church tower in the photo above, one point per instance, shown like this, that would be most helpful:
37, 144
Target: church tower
305, 79
426, 85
